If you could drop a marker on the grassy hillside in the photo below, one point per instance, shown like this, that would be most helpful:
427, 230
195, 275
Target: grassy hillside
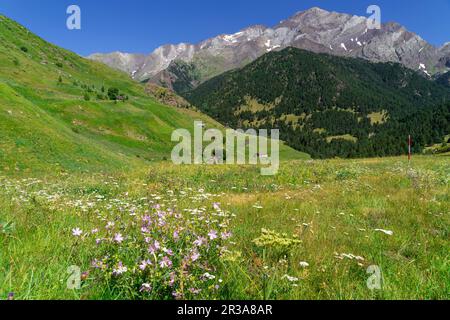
59, 111
330, 106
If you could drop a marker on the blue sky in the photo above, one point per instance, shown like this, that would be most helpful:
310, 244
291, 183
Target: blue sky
142, 25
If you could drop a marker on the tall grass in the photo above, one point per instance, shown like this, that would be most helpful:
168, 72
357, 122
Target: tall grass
310, 232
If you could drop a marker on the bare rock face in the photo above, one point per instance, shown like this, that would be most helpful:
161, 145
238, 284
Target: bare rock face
166, 96
184, 66
126, 62
444, 54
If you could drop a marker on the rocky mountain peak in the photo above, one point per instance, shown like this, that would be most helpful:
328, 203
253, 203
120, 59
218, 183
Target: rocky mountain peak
315, 29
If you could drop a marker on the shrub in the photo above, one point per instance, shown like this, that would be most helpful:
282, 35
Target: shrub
113, 93
24, 49
59, 64
87, 97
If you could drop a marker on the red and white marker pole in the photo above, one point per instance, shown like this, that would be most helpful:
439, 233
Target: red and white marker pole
409, 148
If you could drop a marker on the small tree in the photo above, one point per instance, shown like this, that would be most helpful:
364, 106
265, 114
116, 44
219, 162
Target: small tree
113, 93
60, 80
87, 97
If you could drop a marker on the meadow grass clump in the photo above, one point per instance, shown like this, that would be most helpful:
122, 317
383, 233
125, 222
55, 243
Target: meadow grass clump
274, 262
278, 244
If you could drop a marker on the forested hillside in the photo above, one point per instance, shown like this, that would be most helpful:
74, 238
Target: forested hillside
330, 106
444, 79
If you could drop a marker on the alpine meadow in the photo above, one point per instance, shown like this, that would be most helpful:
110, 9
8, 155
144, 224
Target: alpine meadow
94, 207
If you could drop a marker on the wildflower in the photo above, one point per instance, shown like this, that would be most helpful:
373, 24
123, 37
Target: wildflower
212, 234
152, 249
172, 279
94, 231
195, 291
10, 296
177, 295
195, 256
97, 264
121, 269
226, 235
388, 232
216, 206
110, 225
349, 256
162, 223
304, 264
165, 263
208, 276
77, 232
289, 278
84, 276
144, 264
145, 288
118, 238
176, 235
200, 241
274, 239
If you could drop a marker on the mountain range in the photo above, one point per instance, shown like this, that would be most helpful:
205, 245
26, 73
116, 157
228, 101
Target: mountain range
184, 66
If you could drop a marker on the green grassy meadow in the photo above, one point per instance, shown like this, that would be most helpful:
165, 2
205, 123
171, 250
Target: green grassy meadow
325, 213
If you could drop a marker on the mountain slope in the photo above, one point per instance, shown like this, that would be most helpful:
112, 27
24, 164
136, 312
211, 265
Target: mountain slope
184, 66
327, 105
444, 79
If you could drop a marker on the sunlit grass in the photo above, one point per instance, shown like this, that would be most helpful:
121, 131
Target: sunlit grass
379, 210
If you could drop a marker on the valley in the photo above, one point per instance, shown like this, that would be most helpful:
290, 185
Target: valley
330, 106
